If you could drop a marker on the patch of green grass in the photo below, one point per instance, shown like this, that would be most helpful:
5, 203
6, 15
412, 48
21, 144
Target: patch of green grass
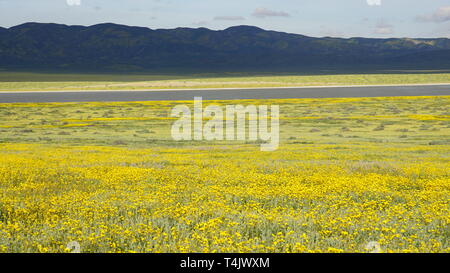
23, 81
412, 121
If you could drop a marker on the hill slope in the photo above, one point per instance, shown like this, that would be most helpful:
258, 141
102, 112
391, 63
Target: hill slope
116, 47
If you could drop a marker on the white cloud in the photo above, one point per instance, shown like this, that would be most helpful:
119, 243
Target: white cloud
384, 29
200, 23
229, 18
439, 16
73, 2
263, 13
374, 2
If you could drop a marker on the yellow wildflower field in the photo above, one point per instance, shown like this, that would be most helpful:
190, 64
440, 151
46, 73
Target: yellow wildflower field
108, 176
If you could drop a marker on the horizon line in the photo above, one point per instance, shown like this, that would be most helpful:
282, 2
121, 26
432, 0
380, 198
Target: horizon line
218, 30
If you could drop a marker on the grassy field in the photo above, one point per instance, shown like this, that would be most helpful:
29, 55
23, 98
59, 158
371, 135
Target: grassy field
20, 81
108, 175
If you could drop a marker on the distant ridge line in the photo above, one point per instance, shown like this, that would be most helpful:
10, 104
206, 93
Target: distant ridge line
114, 47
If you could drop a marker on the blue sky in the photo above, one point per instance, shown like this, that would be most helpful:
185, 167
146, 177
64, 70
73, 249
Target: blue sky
338, 18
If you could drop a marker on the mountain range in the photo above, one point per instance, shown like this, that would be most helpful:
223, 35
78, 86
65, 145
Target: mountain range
119, 47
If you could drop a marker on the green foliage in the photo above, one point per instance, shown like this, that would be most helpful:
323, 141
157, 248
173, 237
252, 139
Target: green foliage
115, 47
16, 81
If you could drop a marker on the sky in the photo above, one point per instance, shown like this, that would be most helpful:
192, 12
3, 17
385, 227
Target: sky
318, 18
